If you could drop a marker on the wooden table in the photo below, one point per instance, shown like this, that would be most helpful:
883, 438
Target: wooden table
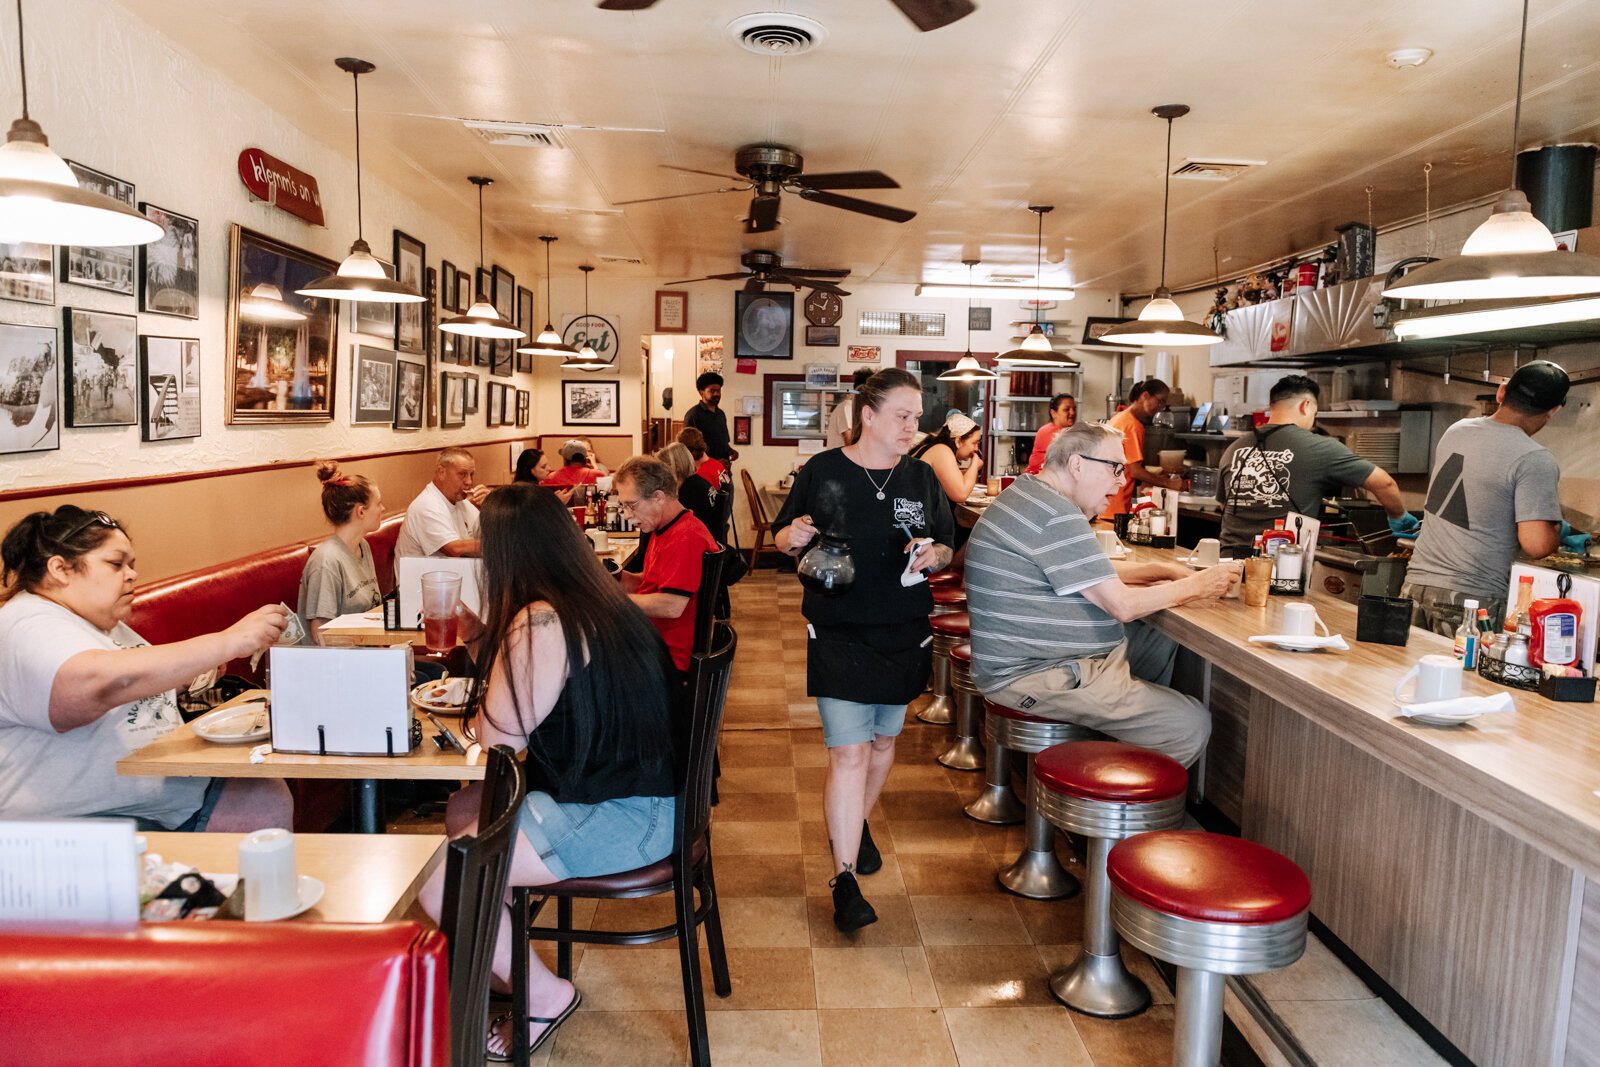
374, 636
365, 879
777, 496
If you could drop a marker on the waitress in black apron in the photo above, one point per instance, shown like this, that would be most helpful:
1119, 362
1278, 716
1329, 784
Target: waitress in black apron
870, 650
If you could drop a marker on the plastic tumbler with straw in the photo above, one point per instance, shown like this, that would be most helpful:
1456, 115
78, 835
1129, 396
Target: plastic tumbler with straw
441, 593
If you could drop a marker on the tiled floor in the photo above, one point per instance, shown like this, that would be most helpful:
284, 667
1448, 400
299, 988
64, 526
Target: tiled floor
953, 972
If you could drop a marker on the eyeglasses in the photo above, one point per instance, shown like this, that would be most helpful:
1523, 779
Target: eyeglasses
94, 517
1117, 468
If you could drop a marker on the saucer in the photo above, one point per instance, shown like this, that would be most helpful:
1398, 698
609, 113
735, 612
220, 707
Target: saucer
1296, 643
1194, 563
240, 723
1442, 720
311, 891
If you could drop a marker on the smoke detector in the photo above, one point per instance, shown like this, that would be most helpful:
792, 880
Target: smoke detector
1214, 170
1408, 57
777, 34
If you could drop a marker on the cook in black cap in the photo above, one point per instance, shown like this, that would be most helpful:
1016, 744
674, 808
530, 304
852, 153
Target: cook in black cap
1492, 493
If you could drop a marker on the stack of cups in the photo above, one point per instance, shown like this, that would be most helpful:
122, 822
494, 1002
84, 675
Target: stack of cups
267, 872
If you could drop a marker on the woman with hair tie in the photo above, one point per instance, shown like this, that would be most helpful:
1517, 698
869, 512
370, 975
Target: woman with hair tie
340, 578
694, 492
954, 443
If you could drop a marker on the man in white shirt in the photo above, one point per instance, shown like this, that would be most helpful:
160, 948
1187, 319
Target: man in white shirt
844, 411
443, 519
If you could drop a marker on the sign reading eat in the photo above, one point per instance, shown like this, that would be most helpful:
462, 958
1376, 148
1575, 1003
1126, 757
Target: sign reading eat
287, 188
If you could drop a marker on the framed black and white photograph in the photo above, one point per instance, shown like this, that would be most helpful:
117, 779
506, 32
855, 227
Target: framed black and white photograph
102, 359
169, 388
503, 357
169, 269
410, 324
409, 379
280, 362
372, 399
370, 318
822, 336
526, 324
472, 394
447, 286
763, 325
497, 404
1094, 329
463, 285
592, 403
30, 391
482, 286
25, 273
453, 399
110, 269
448, 344
523, 403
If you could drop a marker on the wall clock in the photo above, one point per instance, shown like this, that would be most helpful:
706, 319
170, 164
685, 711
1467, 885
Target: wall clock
823, 309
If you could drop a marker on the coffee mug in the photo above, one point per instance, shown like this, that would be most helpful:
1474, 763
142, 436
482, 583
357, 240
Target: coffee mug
1438, 678
600, 539
1302, 620
267, 869
1208, 551
1108, 542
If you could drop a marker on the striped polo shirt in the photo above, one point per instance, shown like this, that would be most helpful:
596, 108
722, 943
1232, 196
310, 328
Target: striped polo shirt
1030, 558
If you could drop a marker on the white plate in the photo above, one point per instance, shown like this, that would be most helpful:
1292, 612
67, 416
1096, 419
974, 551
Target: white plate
1194, 562
447, 696
236, 724
311, 891
1442, 720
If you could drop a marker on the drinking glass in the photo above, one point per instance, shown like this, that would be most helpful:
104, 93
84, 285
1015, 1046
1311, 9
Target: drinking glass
441, 593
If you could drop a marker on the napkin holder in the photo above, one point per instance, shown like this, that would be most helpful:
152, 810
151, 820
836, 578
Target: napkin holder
341, 701
1382, 577
1383, 620
1568, 690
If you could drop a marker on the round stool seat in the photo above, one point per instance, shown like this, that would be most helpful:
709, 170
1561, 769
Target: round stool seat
1111, 772
1209, 878
947, 576
951, 624
962, 653
991, 708
948, 597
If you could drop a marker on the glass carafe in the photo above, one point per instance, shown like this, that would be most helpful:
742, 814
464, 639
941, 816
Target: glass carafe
828, 567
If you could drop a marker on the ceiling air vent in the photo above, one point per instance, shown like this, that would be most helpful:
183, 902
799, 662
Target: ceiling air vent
516, 134
1214, 170
777, 34
632, 261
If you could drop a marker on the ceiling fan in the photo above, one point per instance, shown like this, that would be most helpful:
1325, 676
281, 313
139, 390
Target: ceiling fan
768, 170
926, 14
763, 268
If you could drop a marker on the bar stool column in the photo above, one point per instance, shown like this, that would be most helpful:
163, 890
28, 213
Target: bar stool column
966, 752
1037, 872
996, 805
950, 628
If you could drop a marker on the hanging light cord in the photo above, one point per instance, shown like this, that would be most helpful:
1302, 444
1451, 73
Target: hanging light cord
549, 311
1166, 200
22, 61
969, 305
1516, 116
481, 260
355, 80
1038, 269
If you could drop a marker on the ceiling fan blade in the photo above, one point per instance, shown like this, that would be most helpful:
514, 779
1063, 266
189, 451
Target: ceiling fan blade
813, 272
755, 284
671, 196
864, 207
712, 278
849, 179
708, 173
625, 5
932, 14
763, 215
819, 286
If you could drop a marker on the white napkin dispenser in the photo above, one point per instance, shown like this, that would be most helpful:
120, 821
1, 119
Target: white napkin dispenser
341, 701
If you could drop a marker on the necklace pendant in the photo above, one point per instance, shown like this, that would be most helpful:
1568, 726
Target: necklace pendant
880, 494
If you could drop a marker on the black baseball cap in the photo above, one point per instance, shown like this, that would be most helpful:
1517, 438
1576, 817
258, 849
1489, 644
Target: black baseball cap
1538, 386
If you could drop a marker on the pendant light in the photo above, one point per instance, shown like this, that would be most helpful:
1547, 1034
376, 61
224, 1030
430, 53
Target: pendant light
1036, 349
360, 278
40, 199
1161, 322
1512, 254
549, 343
586, 358
481, 319
967, 368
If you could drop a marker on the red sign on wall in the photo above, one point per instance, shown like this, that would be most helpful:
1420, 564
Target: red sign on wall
287, 188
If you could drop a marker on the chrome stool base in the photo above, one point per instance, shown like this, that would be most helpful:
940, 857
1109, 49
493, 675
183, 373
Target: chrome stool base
1100, 986
1038, 875
997, 805
942, 709
966, 751
965, 755
938, 711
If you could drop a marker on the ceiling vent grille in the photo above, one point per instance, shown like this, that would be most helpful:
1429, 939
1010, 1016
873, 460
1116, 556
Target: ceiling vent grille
632, 261
1214, 170
777, 34
515, 134
901, 324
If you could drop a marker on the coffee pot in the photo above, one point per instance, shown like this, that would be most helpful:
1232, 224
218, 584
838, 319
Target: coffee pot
828, 568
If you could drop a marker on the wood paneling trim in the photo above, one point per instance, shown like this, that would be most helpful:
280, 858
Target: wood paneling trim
1583, 1025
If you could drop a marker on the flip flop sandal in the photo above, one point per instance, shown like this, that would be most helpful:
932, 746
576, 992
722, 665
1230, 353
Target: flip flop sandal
550, 1027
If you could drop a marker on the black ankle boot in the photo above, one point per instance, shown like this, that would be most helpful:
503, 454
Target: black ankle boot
850, 909
868, 859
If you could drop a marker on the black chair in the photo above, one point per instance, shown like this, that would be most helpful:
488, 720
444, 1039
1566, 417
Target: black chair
686, 871
475, 873
709, 596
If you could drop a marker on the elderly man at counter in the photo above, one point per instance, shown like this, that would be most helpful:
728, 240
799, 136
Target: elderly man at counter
1145, 400
1048, 608
443, 519
1493, 492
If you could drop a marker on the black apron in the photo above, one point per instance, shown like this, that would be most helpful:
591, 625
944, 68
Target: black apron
869, 664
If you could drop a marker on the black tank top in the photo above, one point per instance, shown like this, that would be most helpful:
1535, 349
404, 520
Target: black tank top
630, 754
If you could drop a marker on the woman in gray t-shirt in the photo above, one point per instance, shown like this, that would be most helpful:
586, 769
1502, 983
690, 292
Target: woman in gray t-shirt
340, 578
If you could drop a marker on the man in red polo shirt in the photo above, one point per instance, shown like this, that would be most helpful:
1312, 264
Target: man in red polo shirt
577, 466
667, 589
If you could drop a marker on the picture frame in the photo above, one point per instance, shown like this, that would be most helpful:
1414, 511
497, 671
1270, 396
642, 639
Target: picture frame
410, 385
593, 402
110, 269
169, 388
410, 255
822, 375
447, 286
741, 429
370, 318
482, 285
1094, 328
169, 269
27, 272
102, 359
372, 381
763, 325
463, 298
526, 324
502, 357
822, 336
496, 408
980, 318
473, 382
524, 402
281, 345
30, 388
672, 311
864, 354
453, 399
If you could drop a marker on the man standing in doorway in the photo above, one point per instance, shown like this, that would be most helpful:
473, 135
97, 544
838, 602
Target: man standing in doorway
708, 417
1145, 399
1063, 415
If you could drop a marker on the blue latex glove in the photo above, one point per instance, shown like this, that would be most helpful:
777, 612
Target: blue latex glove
1406, 525
1573, 540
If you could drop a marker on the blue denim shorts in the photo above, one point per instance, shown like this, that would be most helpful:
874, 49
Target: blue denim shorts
588, 840
844, 722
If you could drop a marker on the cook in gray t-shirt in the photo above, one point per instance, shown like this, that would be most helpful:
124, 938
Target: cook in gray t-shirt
1276, 469
1487, 477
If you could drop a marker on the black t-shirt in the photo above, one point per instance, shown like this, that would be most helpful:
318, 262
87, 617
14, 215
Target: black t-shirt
701, 498
713, 423
842, 498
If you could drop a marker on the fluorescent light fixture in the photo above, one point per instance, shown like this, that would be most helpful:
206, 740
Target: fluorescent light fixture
1018, 292
1469, 319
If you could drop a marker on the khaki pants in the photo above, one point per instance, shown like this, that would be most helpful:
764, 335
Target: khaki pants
1103, 695
1439, 610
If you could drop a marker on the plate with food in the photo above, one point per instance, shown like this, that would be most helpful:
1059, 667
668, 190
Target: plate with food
446, 696
242, 720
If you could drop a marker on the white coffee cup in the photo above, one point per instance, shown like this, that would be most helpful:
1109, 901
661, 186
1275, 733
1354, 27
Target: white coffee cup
1208, 551
600, 539
267, 869
1302, 620
1438, 678
1108, 542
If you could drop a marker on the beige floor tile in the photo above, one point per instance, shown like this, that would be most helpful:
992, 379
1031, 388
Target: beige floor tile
819, 872
1057, 957
737, 780
873, 978
896, 926
632, 979
582, 914
761, 753
944, 836
917, 776
1049, 922
1142, 1041
759, 876
644, 913
988, 1037
766, 979
1355, 1033
920, 804
756, 838
1318, 975
885, 1037
969, 920
765, 922
810, 780
759, 807
767, 1038
934, 874
810, 755
990, 976
636, 1038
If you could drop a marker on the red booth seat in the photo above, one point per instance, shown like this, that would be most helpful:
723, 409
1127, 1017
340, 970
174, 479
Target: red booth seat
242, 994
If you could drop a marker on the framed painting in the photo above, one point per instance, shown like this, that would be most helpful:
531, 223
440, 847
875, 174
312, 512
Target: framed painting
453, 399
102, 360
169, 388
110, 269
370, 318
503, 356
591, 403
473, 383
524, 399
372, 398
280, 362
409, 379
526, 324
25, 273
672, 311
30, 388
169, 269
763, 325
822, 336
410, 333
447, 286
497, 405
463, 284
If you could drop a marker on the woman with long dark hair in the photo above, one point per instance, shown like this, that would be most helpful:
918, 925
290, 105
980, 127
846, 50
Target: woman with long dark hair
945, 450
533, 467
578, 678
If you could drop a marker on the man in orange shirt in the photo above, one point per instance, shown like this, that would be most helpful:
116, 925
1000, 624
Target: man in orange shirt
1063, 414
1145, 399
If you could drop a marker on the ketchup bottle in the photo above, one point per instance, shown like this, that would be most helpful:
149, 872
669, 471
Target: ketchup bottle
1556, 623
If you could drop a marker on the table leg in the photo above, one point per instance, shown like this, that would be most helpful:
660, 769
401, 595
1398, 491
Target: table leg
367, 821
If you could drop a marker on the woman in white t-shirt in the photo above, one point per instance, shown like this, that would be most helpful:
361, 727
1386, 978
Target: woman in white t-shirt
79, 689
340, 578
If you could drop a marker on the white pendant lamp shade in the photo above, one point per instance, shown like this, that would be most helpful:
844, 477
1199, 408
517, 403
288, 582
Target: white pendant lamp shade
265, 303
968, 369
549, 343
481, 319
1036, 341
586, 357
1036, 349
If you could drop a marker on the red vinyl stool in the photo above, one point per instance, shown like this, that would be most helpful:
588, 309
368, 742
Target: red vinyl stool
1105, 791
949, 576
1211, 906
949, 630
1037, 873
966, 752
948, 598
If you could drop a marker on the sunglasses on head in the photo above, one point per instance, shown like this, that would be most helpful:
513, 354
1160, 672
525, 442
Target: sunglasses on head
93, 518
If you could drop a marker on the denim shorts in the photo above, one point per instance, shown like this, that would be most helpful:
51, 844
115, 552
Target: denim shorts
588, 840
845, 722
